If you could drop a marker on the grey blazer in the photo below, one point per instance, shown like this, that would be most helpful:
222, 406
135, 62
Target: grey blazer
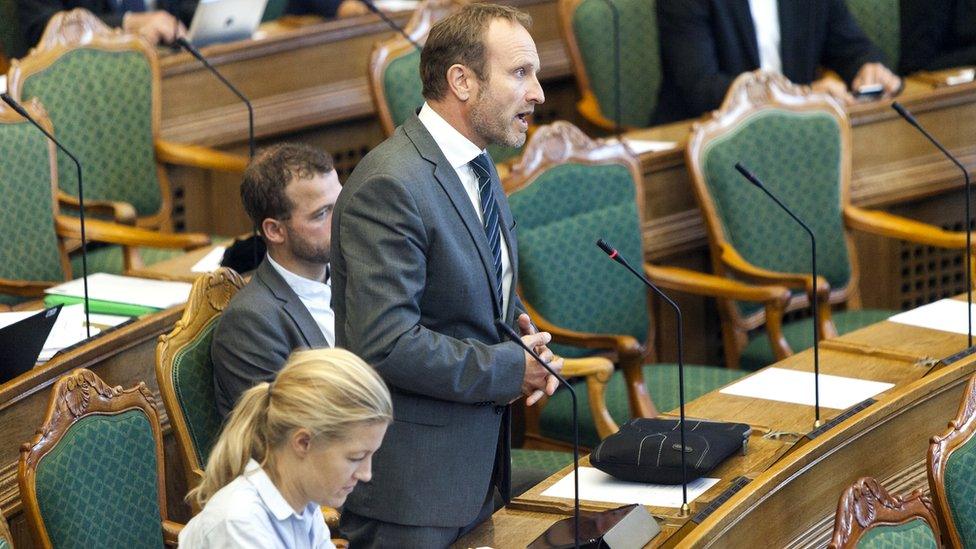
414, 295
261, 326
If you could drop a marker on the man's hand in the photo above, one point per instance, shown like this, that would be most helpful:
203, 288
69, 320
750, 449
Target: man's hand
876, 73
157, 27
537, 382
833, 87
351, 8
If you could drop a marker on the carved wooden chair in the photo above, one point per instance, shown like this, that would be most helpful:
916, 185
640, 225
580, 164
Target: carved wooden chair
868, 517
6, 540
566, 192
588, 31
102, 89
952, 474
93, 475
799, 143
34, 254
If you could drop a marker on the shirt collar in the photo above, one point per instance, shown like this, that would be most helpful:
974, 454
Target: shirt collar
458, 150
300, 284
275, 502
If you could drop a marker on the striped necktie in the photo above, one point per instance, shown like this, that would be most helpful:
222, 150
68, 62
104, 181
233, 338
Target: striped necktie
481, 165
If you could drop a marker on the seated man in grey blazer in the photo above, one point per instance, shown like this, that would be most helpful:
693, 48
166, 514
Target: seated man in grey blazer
288, 191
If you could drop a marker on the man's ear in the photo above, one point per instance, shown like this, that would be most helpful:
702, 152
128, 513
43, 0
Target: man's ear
461, 81
273, 230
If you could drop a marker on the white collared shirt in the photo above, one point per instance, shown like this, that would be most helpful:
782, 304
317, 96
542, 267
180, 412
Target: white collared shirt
459, 150
315, 295
765, 18
250, 512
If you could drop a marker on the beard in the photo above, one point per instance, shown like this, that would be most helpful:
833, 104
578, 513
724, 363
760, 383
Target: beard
311, 252
490, 121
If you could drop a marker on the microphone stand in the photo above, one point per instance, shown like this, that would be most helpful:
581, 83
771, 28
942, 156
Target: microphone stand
81, 202
389, 22
816, 313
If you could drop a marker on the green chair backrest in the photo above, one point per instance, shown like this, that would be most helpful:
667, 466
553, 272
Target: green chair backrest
915, 533
640, 57
798, 157
960, 487
881, 21
101, 103
100, 483
4, 544
193, 383
560, 215
274, 9
11, 39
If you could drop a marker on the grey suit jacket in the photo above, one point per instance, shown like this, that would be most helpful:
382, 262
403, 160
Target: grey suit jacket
261, 326
414, 295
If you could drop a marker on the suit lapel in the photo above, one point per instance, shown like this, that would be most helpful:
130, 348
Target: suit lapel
292, 305
742, 16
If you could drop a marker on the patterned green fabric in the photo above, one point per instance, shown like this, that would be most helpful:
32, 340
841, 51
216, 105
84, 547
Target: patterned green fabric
561, 215
540, 460
662, 385
798, 156
402, 86
4, 544
100, 483
101, 106
11, 39
914, 534
108, 259
274, 9
881, 21
640, 57
960, 487
193, 381
799, 334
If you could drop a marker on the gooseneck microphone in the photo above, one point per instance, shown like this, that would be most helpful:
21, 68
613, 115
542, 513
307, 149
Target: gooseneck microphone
183, 43
562, 381
615, 255
969, 215
389, 22
751, 177
81, 201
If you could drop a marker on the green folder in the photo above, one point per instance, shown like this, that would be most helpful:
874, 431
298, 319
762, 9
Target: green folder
100, 307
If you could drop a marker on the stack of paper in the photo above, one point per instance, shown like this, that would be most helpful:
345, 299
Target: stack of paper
797, 387
121, 295
948, 315
68, 330
595, 485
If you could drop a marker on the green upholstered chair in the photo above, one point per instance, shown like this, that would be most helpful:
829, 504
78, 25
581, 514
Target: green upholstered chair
868, 517
93, 475
799, 143
565, 193
101, 88
952, 474
394, 72
33, 253
881, 21
587, 28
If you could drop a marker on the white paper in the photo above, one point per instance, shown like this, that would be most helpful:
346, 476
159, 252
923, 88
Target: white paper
3, 83
948, 315
641, 146
396, 5
797, 387
595, 485
144, 292
210, 262
68, 329
962, 77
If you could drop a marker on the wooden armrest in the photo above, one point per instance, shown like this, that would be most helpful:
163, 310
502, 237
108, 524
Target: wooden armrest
623, 345
121, 212
171, 532
894, 226
195, 156
589, 109
791, 280
597, 371
699, 283
589, 366
24, 288
331, 516
113, 233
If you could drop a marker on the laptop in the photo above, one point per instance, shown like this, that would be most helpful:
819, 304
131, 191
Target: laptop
22, 342
216, 21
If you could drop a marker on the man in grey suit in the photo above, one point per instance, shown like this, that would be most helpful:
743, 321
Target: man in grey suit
289, 192
424, 261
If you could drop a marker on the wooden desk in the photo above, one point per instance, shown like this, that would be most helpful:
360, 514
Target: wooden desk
792, 500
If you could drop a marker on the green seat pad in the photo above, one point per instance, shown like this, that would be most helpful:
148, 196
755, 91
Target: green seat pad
758, 353
108, 259
960, 487
530, 467
662, 385
915, 533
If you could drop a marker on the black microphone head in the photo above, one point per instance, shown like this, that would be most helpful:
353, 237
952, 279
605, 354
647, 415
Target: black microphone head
751, 177
14, 105
904, 113
181, 42
607, 249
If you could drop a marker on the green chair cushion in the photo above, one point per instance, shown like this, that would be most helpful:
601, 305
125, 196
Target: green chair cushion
799, 333
193, 382
530, 467
402, 86
881, 21
662, 385
100, 483
914, 534
960, 487
108, 259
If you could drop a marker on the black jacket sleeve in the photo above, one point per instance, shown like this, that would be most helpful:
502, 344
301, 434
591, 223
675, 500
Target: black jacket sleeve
937, 34
846, 47
325, 8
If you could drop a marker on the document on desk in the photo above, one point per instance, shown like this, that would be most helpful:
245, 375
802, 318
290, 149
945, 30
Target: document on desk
595, 485
641, 146
144, 292
947, 315
210, 262
797, 387
67, 330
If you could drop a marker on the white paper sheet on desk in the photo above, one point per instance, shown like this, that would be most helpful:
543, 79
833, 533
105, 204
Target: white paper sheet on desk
595, 485
396, 5
641, 146
3, 84
797, 387
68, 329
127, 289
948, 315
210, 262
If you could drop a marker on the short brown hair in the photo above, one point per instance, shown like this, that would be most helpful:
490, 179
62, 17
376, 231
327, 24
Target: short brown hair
271, 170
460, 38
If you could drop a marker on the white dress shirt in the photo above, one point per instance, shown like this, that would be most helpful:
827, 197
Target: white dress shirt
250, 512
765, 18
459, 150
315, 295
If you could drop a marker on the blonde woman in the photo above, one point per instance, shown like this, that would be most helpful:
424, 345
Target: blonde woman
288, 447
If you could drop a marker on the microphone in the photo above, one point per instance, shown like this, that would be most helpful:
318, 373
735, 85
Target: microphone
751, 177
390, 23
615, 255
81, 201
183, 43
969, 215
